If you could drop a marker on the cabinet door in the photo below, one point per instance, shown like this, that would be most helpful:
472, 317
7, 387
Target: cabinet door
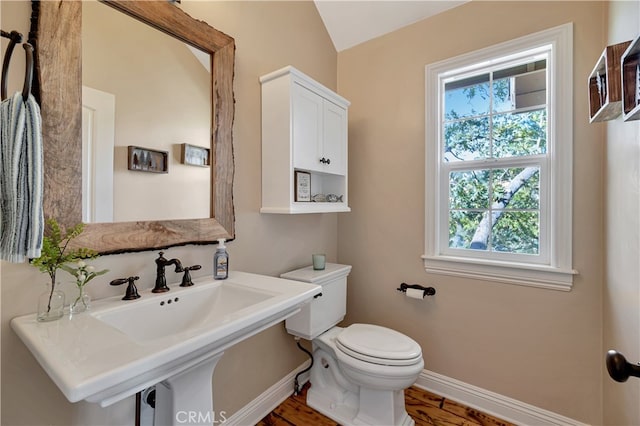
307, 129
334, 148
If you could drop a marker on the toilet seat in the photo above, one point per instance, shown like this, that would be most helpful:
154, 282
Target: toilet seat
378, 345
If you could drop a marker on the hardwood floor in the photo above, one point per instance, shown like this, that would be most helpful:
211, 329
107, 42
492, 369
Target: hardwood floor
426, 408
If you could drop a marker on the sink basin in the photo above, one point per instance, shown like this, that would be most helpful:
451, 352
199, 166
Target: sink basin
122, 347
198, 308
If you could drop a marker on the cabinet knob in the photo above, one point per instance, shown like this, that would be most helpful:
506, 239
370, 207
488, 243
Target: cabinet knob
325, 160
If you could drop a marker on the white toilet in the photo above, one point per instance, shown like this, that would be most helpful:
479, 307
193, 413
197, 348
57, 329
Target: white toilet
360, 372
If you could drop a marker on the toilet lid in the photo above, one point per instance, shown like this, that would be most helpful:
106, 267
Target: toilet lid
378, 345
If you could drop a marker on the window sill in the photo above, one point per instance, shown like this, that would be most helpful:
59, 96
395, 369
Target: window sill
541, 276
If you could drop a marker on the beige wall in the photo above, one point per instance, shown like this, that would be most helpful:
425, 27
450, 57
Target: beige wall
542, 347
269, 35
622, 200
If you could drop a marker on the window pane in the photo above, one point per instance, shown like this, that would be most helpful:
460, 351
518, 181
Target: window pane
520, 134
525, 85
516, 188
466, 98
517, 232
502, 95
472, 225
469, 189
466, 139
462, 227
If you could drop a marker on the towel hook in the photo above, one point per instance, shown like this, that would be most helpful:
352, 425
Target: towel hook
28, 73
15, 38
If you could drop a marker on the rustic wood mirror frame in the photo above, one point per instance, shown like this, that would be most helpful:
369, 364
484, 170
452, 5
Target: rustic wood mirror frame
60, 72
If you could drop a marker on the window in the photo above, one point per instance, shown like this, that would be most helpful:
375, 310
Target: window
498, 164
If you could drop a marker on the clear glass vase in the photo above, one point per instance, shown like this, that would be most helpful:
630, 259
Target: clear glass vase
82, 301
50, 304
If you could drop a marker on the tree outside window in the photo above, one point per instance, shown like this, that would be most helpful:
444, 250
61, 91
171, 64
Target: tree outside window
495, 116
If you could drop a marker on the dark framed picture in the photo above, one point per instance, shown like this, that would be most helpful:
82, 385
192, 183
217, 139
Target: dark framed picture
195, 155
148, 160
302, 186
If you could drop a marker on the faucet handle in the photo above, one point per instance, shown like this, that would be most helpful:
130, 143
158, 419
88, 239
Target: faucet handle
132, 291
186, 278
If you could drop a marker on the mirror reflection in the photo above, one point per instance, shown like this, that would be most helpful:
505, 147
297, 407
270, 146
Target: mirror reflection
145, 89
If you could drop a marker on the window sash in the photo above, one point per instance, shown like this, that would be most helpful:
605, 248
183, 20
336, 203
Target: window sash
540, 161
496, 65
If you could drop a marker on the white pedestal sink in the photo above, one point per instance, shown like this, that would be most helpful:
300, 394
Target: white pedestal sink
172, 339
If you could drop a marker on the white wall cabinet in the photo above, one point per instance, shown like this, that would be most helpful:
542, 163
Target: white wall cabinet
304, 128
319, 132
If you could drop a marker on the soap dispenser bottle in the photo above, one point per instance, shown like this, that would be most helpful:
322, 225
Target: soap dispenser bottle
221, 261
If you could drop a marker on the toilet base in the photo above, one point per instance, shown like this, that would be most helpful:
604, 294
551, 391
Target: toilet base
342, 412
346, 401
369, 407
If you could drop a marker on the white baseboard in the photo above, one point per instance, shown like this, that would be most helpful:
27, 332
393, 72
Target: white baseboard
268, 400
489, 402
486, 401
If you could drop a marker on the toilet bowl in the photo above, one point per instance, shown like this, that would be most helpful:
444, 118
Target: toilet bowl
378, 357
359, 372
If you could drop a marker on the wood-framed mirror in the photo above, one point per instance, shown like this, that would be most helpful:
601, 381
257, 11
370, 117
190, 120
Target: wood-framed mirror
60, 63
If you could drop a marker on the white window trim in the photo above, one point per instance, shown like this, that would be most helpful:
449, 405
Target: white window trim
558, 273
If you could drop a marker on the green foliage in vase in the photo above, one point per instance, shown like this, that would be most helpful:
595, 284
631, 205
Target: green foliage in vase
56, 251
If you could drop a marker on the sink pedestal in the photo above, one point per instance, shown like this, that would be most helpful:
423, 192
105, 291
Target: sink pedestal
186, 398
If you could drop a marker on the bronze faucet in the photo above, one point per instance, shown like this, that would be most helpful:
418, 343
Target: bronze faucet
161, 281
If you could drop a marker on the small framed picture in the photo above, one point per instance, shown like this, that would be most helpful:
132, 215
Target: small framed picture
148, 160
302, 186
195, 155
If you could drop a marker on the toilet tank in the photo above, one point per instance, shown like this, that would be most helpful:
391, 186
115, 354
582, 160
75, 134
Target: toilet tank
325, 311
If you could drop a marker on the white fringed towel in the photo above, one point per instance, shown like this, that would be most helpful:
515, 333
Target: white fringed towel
21, 179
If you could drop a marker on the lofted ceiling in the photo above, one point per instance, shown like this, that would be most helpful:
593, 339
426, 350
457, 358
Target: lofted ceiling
351, 22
